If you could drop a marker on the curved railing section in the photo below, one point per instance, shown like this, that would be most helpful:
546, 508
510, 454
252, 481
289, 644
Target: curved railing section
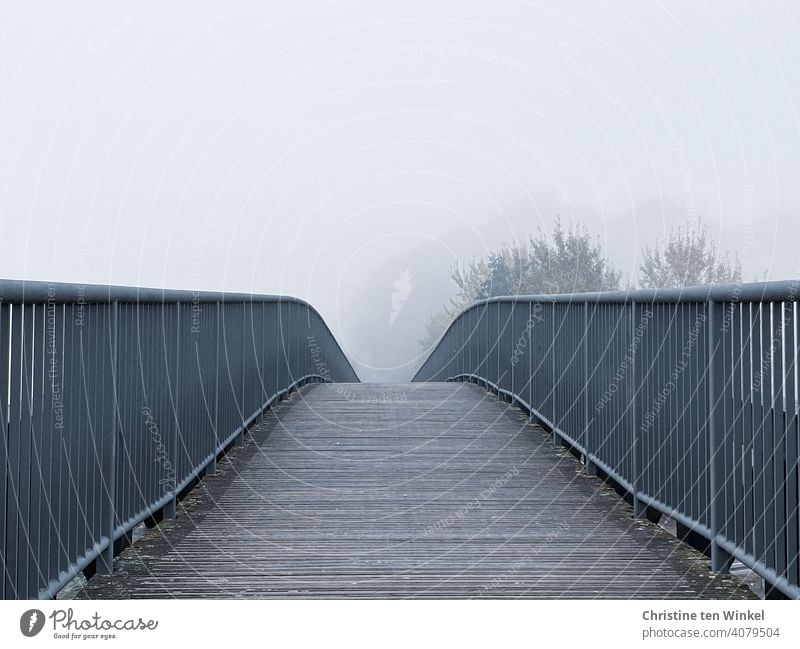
116, 399
686, 399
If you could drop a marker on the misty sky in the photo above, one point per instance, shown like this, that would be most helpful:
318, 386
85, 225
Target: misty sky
347, 153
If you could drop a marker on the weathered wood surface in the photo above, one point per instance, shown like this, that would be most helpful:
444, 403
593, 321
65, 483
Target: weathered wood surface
422, 490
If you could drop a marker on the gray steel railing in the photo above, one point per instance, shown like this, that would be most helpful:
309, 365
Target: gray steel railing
116, 399
686, 399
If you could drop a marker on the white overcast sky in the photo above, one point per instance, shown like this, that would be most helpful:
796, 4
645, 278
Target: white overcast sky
323, 149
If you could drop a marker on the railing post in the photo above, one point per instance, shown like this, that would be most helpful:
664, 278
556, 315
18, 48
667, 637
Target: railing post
513, 348
590, 466
6, 588
639, 509
720, 559
105, 562
211, 468
553, 351
239, 441
496, 352
170, 510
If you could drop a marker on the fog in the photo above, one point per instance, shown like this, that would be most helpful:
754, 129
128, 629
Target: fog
348, 152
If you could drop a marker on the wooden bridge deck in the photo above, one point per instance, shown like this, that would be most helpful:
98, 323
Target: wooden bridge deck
421, 490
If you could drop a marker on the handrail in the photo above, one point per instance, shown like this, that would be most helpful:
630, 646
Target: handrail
31, 292
116, 399
686, 398
780, 290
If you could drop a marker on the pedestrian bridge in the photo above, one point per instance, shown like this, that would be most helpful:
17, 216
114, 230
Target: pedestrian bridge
581, 446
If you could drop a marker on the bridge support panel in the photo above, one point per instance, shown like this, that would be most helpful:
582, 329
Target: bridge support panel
694, 539
170, 509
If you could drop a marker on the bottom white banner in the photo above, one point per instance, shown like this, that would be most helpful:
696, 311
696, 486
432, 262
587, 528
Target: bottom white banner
399, 623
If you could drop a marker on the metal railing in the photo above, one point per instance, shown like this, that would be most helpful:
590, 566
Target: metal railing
114, 400
686, 399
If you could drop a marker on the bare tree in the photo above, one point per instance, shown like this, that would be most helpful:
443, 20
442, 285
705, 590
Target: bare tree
469, 278
687, 258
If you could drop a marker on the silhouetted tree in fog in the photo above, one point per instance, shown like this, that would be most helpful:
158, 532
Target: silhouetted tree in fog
498, 278
687, 258
571, 261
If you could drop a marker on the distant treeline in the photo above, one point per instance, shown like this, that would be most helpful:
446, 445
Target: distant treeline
571, 260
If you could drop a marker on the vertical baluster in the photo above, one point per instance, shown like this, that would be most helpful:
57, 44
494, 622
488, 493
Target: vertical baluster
765, 468
792, 451
633, 416
782, 378
105, 563
178, 446
6, 590
720, 560
42, 427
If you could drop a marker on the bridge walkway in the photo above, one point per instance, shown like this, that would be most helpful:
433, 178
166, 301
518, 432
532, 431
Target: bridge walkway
431, 490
